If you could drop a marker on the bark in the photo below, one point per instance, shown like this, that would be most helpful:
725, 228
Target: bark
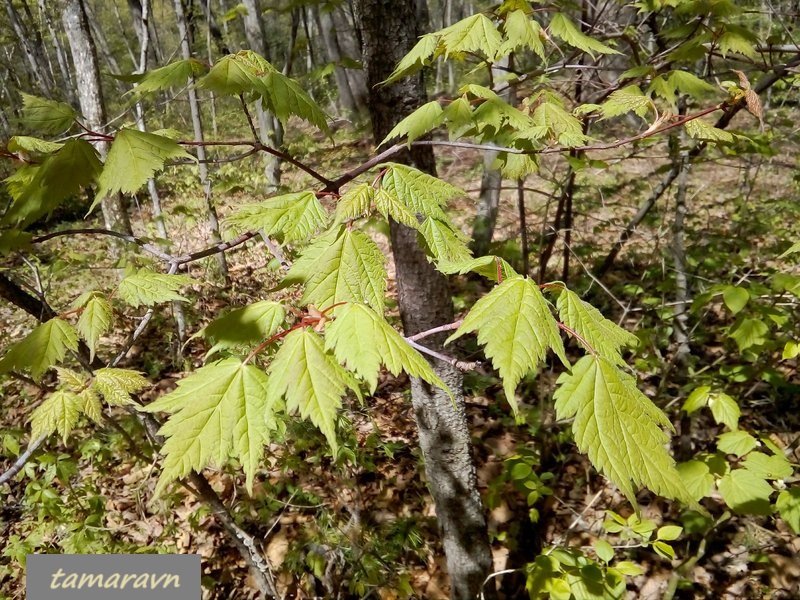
350, 47
37, 63
333, 55
389, 30
90, 97
197, 125
492, 179
152, 190
102, 44
270, 134
61, 56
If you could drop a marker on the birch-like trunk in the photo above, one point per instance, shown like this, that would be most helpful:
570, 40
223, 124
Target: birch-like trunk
268, 132
90, 98
197, 126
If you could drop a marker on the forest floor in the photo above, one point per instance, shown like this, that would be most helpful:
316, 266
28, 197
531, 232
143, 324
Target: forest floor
374, 523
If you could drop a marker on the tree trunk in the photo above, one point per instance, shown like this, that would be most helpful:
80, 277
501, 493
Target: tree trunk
197, 125
389, 30
90, 97
269, 134
61, 57
333, 55
492, 179
37, 64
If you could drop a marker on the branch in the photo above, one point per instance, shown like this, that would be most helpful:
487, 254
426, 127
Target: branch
143, 244
454, 362
23, 458
434, 331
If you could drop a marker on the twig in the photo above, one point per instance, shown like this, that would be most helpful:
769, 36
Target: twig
434, 331
22, 459
454, 362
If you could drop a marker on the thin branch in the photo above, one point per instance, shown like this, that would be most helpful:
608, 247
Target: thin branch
23, 458
454, 362
434, 331
143, 244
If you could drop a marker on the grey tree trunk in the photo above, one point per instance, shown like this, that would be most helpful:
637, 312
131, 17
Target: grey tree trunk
61, 57
350, 47
37, 63
197, 125
270, 134
333, 55
90, 97
155, 198
492, 179
389, 29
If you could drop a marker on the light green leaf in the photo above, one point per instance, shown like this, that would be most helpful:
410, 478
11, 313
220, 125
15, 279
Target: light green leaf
689, 83
736, 442
790, 350
117, 385
697, 399
310, 380
245, 326
735, 298
426, 118
419, 56
420, 192
134, 157
516, 327
701, 130
473, 34
95, 320
390, 205
725, 410
148, 288
626, 100
43, 347
362, 340
218, 412
239, 73
745, 492
793, 249
619, 428
603, 336
491, 267
91, 406
564, 127
697, 478
173, 75
71, 380
749, 332
60, 412
295, 217
738, 44
354, 203
669, 533
562, 27
444, 243
60, 176
47, 116
349, 268
604, 550
788, 506
664, 550
521, 32
775, 466
287, 98
26, 143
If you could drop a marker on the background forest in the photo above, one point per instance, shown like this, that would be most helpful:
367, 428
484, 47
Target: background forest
404, 299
